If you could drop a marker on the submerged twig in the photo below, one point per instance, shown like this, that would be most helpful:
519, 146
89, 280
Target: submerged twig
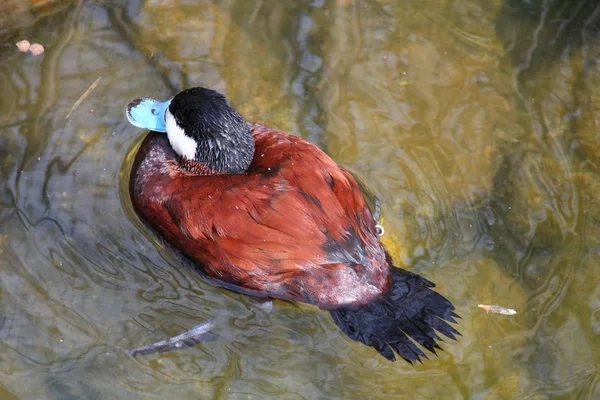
84, 96
198, 334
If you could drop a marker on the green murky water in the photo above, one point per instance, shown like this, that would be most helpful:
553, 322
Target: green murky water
475, 122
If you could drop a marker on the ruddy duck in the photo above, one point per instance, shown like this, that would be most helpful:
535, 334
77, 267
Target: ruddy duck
271, 215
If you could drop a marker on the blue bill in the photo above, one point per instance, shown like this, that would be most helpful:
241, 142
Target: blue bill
148, 114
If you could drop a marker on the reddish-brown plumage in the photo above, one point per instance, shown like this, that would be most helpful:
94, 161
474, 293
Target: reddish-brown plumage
295, 226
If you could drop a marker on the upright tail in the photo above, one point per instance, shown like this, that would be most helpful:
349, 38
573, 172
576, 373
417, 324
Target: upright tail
409, 310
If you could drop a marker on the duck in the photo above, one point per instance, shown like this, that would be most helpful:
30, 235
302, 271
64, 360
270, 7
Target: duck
270, 215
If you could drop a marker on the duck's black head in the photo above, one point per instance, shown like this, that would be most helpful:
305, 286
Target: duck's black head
201, 126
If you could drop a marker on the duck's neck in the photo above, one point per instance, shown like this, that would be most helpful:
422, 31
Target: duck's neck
228, 153
196, 168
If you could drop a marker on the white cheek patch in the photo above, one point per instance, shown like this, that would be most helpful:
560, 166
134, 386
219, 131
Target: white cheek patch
182, 144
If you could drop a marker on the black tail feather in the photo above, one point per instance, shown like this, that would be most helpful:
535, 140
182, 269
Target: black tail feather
409, 310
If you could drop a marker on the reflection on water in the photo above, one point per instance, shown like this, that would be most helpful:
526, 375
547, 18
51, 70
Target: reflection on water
474, 121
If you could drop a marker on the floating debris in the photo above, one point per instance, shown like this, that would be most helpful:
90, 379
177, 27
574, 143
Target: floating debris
36, 49
492, 308
23, 46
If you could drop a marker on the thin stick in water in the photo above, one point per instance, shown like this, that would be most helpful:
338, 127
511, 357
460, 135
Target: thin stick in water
83, 96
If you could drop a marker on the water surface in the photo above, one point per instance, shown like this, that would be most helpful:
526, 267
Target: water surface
474, 121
